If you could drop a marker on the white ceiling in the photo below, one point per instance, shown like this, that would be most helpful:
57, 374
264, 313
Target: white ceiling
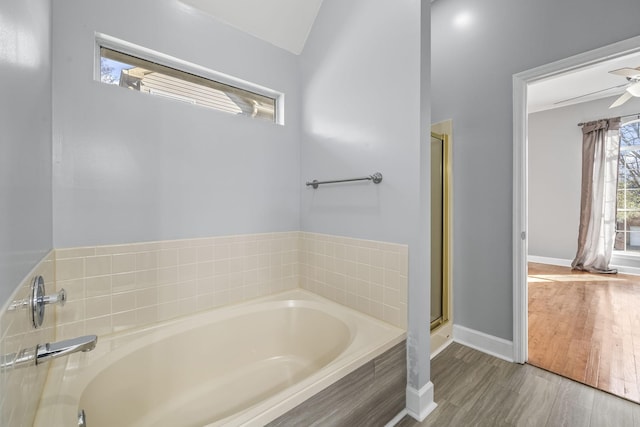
284, 23
558, 91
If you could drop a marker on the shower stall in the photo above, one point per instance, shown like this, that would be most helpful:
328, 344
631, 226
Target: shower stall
440, 229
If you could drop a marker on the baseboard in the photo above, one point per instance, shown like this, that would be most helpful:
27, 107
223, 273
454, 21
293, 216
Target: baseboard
627, 270
567, 263
420, 402
498, 347
551, 261
397, 418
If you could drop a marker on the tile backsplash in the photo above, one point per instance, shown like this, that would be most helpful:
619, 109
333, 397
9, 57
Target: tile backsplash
118, 287
365, 275
113, 288
20, 388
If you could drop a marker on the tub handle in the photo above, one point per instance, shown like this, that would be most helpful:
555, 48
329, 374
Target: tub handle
82, 419
38, 300
60, 298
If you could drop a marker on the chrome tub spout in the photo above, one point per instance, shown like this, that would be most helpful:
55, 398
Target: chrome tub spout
45, 352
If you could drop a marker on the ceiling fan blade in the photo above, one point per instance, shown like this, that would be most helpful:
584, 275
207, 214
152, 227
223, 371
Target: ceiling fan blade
634, 89
627, 72
623, 98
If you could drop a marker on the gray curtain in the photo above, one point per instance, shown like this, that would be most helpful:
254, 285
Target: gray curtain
596, 235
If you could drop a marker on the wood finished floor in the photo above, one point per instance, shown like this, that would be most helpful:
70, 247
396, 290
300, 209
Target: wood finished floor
586, 327
475, 389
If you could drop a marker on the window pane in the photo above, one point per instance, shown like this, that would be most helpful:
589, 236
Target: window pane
628, 196
620, 243
155, 79
632, 202
629, 169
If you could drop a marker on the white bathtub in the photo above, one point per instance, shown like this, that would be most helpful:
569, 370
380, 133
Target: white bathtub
240, 365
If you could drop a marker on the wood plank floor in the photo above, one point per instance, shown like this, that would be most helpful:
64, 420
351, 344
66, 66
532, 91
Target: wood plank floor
586, 327
475, 389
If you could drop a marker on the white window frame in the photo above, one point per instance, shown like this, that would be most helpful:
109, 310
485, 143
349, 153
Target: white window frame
109, 42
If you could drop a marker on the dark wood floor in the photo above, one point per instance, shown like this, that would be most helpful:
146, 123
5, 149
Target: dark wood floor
475, 389
586, 327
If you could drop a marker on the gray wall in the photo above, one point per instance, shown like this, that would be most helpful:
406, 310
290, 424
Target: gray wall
472, 72
555, 158
362, 92
25, 139
131, 168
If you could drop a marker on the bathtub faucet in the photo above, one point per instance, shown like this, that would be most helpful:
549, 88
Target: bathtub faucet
45, 352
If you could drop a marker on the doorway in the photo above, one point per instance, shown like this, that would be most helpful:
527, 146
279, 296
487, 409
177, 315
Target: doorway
521, 223
521, 81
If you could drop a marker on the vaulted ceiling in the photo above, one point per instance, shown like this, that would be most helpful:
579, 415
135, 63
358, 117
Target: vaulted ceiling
283, 23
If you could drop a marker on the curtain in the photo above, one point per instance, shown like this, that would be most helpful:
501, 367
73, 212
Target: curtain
596, 234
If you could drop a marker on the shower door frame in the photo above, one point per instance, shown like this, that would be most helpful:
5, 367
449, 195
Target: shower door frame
446, 230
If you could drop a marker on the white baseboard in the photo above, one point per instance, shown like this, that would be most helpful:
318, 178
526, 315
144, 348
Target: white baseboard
396, 419
551, 261
498, 347
420, 402
567, 263
627, 270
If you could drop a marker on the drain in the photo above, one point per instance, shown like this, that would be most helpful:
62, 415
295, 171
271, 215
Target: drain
82, 419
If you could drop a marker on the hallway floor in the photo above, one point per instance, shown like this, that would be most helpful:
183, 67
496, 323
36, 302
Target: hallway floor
475, 389
586, 327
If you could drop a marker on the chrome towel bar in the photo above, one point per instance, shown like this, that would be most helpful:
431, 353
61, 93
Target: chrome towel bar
376, 178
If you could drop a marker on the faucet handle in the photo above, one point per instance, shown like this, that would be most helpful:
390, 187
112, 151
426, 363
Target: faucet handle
60, 298
38, 300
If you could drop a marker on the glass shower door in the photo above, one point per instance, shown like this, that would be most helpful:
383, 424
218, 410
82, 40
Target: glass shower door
437, 231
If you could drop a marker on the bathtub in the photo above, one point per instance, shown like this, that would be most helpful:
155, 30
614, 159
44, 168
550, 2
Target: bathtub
242, 365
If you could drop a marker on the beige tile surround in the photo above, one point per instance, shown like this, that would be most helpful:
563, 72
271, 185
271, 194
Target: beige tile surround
113, 288
365, 275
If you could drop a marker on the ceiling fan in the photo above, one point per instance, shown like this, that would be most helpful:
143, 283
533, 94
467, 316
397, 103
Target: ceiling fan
632, 86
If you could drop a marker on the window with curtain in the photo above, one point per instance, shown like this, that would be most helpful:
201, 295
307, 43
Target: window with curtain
628, 192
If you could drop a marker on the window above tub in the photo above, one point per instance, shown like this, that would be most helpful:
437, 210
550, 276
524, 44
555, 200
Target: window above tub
136, 68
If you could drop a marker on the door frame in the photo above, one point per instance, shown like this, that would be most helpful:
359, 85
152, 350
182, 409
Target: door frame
446, 228
520, 173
